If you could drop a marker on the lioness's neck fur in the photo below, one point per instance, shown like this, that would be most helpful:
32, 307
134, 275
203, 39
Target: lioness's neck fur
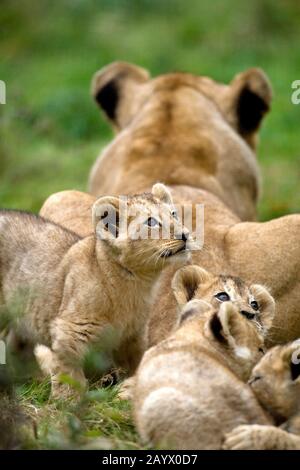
69, 291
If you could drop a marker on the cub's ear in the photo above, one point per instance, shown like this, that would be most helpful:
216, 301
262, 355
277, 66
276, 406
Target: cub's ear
114, 88
290, 355
225, 327
250, 99
192, 308
295, 370
266, 305
161, 192
106, 217
186, 282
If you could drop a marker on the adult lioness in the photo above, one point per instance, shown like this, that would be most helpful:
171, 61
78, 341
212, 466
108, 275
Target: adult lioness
219, 122
181, 129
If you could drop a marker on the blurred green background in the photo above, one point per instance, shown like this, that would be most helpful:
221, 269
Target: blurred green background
50, 129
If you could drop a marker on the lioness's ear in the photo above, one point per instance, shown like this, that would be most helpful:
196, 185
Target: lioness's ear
161, 192
250, 96
266, 305
106, 215
114, 88
186, 281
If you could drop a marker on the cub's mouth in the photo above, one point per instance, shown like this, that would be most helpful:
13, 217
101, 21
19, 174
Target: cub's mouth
167, 253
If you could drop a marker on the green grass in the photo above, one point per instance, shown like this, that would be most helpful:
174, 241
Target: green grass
99, 421
51, 131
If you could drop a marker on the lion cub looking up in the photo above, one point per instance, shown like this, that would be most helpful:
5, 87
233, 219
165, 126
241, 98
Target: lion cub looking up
276, 383
189, 389
71, 291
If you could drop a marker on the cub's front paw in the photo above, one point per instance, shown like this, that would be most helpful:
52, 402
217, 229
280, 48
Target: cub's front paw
66, 381
247, 437
126, 389
65, 387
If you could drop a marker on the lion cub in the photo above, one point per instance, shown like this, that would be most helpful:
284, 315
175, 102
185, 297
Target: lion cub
276, 383
72, 292
253, 302
193, 282
189, 389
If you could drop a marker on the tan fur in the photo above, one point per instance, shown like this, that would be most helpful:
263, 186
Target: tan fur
278, 391
186, 130
192, 127
265, 253
59, 208
189, 389
71, 292
193, 282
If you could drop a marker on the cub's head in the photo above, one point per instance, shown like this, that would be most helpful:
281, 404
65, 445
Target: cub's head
275, 381
254, 302
143, 232
226, 331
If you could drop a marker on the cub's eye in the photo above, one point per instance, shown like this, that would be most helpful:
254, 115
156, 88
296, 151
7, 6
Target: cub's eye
174, 214
254, 305
151, 222
261, 350
222, 297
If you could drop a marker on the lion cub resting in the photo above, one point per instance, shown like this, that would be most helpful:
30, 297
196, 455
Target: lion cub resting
192, 282
253, 302
71, 292
276, 383
189, 389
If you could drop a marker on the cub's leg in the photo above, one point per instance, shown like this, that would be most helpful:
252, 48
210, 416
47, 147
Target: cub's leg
257, 437
130, 353
70, 341
51, 364
128, 357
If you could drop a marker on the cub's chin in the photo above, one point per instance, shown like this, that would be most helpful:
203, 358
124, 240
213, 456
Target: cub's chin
179, 257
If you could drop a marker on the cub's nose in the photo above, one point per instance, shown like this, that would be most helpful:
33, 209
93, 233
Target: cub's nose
248, 315
183, 236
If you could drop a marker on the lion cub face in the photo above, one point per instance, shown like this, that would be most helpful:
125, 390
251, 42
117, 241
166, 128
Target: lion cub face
143, 232
226, 331
253, 302
276, 381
